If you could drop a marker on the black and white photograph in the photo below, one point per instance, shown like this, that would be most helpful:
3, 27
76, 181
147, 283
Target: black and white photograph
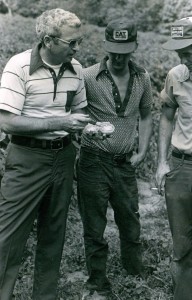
95, 150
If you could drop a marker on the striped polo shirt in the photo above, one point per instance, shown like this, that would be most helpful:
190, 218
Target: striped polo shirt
31, 88
104, 104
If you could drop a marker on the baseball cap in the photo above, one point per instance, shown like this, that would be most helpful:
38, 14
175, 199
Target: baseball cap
120, 36
181, 35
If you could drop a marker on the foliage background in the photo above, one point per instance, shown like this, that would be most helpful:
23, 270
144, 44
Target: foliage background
153, 17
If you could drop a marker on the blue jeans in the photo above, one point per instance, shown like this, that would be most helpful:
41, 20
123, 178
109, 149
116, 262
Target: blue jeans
36, 183
102, 180
178, 193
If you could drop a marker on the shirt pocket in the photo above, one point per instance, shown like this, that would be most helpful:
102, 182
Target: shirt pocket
70, 96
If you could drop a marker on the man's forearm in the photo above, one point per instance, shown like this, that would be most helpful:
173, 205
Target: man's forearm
13, 124
165, 133
145, 131
30, 126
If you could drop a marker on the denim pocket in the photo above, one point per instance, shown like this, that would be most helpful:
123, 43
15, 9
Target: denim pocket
89, 167
176, 165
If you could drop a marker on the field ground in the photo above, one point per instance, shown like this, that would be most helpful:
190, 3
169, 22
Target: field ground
157, 248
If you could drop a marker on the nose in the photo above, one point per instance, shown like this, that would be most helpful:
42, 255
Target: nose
118, 56
76, 46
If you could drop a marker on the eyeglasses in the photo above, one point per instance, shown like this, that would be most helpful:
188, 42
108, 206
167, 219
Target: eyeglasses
72, 43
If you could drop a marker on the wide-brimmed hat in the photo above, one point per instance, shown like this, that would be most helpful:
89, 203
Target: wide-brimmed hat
120, 36
181, 35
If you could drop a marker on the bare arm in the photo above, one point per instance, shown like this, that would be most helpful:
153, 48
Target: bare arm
145, 131
14, 124
165, 134
81, 111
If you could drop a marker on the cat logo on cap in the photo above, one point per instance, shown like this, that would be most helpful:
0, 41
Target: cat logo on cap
176, 31
120, 35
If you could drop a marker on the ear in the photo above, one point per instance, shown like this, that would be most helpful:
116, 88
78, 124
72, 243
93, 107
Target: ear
47, 41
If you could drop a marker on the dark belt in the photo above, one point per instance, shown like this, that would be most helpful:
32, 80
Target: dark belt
56, 144
182, 155
116, 158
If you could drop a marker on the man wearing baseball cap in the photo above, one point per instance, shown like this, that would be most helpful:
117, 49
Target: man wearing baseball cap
177, 97
119, 92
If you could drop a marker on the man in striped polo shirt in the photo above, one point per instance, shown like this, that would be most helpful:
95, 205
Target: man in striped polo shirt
42, 98
119, 92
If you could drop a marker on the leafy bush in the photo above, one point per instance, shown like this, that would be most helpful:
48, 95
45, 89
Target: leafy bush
148, 14
176, 9
17, 34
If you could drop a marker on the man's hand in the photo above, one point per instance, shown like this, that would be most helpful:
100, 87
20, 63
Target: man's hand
136, 159
162, 170
75, 122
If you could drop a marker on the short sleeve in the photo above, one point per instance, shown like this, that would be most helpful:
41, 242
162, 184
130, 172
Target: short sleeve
147, 97
79, 99
166, 95
12, 89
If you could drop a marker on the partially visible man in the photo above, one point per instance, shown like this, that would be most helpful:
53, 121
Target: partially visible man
42, 97
119, 92
177, 97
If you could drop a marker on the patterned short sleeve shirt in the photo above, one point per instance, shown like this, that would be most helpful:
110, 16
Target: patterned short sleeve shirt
104, 104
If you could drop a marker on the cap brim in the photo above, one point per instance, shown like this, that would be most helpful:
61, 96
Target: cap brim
121, 48
174, 44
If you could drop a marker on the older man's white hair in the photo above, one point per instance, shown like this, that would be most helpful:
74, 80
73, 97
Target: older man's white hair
51, 21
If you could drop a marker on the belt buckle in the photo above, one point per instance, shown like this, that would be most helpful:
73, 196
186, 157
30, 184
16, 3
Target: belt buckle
57, 144
119, 158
